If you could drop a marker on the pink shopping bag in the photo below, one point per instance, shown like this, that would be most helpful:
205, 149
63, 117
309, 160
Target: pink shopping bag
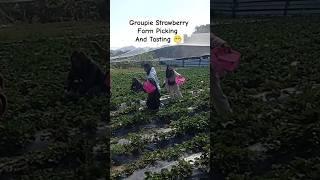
180, 80
225, 59
149, 87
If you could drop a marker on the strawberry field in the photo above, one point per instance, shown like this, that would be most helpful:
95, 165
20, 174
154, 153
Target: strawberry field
44, 135
275, 94
172, 143
273, 133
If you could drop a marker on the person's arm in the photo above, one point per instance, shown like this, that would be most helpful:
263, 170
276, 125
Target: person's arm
176, 73
142, 78
164, 83
103, 52
218, 42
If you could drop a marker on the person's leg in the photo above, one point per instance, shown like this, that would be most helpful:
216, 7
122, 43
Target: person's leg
171, 92
149, 102
176, 92
220, 101
179, 94
158, 96
3, 103
153, 101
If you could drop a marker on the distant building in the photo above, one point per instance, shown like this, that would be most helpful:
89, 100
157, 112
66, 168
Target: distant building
196, 45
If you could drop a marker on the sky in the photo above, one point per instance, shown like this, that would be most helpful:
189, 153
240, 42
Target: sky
197, 12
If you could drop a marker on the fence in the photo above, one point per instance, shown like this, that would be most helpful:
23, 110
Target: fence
45, 11
201, 61
236, 8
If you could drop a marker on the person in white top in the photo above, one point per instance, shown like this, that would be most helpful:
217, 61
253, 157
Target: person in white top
152, 74
153, 100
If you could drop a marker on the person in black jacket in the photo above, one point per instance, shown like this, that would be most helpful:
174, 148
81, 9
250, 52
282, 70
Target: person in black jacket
153, 99
85, 76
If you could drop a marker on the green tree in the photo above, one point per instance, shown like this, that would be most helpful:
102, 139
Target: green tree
202, 29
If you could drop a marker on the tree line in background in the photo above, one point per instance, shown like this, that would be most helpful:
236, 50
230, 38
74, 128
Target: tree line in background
45, 11
202, 29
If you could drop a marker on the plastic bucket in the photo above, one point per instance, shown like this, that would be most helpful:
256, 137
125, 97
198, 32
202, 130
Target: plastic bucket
149, 87
225, 59
180, 80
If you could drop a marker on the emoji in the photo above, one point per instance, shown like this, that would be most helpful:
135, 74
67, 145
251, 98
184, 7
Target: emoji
177, 39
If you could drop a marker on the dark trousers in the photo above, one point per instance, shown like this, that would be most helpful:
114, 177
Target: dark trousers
153, 100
